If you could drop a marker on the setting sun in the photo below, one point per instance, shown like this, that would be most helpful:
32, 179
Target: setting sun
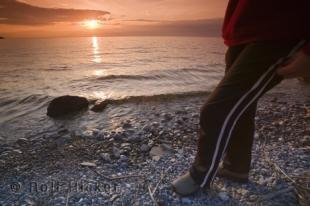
92, 24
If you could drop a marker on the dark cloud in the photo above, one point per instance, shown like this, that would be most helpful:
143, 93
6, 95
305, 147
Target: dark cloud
19, 13
203, 27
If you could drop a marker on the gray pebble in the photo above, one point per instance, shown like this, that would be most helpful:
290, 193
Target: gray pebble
116, 152
144, 148
106, 157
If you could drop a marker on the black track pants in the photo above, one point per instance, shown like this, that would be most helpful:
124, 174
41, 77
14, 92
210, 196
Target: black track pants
227, 118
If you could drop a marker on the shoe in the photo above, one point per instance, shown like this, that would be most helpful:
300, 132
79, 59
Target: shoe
185, 185
234, 176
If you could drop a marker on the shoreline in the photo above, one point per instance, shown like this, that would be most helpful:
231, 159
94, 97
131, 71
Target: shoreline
121, 158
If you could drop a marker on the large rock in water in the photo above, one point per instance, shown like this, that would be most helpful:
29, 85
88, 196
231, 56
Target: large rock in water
65, 105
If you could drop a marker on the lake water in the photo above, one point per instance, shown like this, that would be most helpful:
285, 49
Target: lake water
34, 71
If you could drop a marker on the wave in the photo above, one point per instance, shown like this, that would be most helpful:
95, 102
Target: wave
201, 70
158, 74
215, 52
38, 98
43, 99
127, 77
14, 112
156, 97
34, 98
60, 68
6, 102
15, 107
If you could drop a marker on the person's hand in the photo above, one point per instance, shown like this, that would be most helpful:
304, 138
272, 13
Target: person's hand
297, 66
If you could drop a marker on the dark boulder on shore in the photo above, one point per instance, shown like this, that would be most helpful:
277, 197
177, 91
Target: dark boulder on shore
66, 105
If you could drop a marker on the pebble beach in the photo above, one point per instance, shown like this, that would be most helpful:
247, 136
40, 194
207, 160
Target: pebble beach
135, 163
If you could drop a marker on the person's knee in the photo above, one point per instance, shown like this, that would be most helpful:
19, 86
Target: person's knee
212, 116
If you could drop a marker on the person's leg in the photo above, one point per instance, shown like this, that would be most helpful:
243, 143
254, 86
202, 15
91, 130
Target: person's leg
252, 73
238, 155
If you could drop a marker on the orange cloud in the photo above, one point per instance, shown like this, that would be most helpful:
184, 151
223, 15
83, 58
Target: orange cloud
19, 13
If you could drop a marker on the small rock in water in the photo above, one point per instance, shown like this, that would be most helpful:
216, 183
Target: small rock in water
88, 164
100, 106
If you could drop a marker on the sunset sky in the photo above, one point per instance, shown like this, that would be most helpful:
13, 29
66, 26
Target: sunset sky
52, 18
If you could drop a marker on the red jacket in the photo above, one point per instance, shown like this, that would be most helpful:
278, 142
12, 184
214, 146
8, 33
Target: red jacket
256, 20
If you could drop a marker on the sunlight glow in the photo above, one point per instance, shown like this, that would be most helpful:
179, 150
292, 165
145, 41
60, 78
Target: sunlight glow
92, 24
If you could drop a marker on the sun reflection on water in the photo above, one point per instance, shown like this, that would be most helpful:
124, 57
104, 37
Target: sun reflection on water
99, 72
96, 50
